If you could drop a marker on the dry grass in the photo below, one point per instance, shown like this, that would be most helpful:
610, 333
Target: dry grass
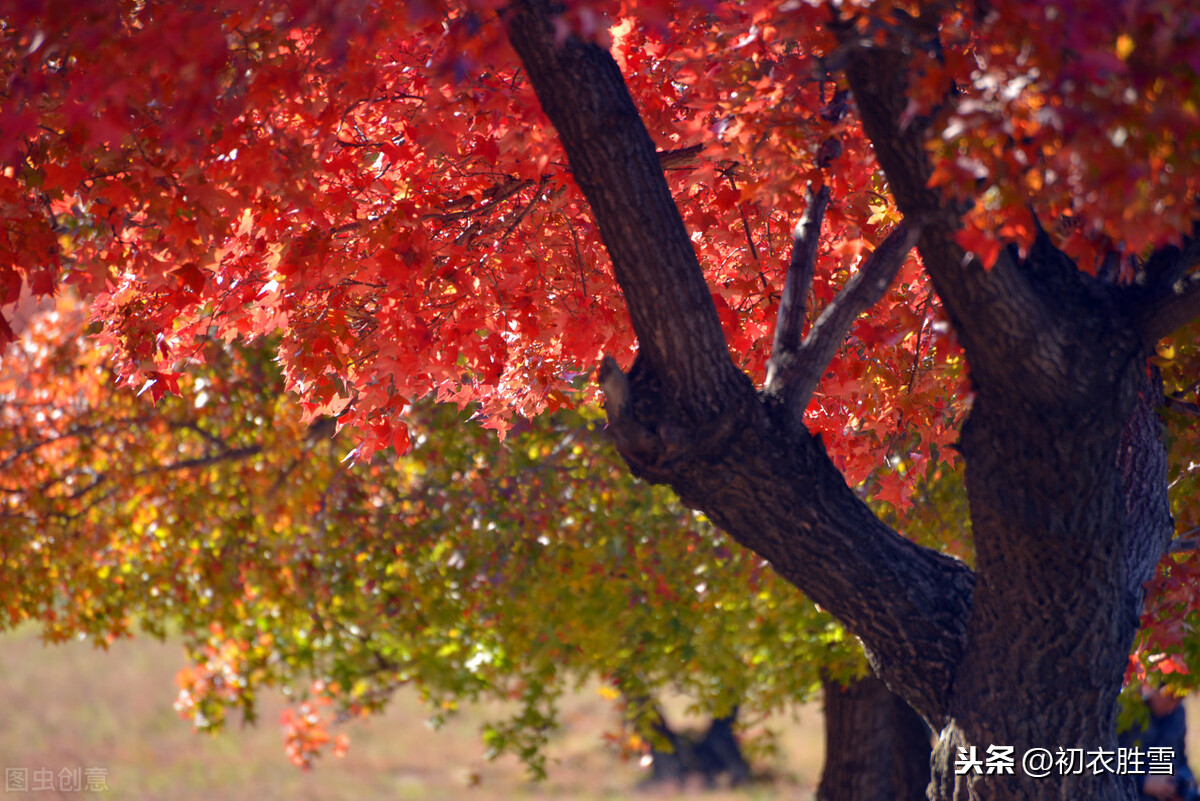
72, 706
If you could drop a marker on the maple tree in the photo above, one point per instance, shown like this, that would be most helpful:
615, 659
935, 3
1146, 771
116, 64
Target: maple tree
383, 188
465, 567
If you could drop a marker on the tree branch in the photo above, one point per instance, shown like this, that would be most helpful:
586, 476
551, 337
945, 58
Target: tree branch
798, 376
615, 163
77, 431
1024, 323
686, 416
1180, 406
789, 324
878, 77
1185, 541
1172, 298
681, 158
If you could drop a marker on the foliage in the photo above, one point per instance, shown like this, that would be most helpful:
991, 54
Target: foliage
377, 184
373, 190
467, 567
1168, 644
355, 179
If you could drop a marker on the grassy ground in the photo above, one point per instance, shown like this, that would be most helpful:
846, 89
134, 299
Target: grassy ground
72, 706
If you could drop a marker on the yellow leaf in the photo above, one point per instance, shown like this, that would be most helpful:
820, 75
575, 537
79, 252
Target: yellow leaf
1124, 46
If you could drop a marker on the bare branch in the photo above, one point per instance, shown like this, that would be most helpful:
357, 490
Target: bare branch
1185, 541
496, 196
1178, 404
798, 377
229, 455
78, 431
537, 197
1169, 309
789, 325
226, 455
681, 158
1166, 295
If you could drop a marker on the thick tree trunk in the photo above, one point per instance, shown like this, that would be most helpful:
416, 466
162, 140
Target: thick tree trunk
876, 747
1065, 471
1066, 477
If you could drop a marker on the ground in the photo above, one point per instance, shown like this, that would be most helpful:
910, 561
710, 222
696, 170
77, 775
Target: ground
72, 706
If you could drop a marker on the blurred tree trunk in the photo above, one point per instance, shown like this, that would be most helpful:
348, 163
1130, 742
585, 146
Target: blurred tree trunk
709, 755
876, 747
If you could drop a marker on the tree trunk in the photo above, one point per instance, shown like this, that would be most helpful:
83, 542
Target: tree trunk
876, 747
712, 756
1065, 470
1066, 478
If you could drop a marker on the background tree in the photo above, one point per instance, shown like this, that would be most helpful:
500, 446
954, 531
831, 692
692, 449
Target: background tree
380, 186
219, 516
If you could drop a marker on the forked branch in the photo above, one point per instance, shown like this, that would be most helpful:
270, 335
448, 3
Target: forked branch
685, 415
794, 371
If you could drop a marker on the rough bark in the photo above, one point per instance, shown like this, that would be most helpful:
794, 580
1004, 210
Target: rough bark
876, 747
1059, 368
1027, 650
687, 417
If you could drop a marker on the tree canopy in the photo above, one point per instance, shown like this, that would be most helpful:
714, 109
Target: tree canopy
379, 185
468, 568
382, 188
